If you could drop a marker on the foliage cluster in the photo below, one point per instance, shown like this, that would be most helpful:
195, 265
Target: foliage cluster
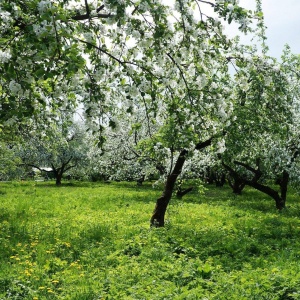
92, 241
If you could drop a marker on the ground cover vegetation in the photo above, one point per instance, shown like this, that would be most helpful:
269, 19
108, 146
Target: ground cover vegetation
92, 241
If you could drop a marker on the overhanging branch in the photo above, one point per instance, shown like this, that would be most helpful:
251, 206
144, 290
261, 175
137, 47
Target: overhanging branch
86, 17
88, 14
202, 145
207, 2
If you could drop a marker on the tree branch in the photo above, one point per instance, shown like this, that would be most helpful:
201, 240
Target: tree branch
207, 2
202, 145
37, 167
245, 166
87, 8
182, 76
181, 193
69, 167
88, 14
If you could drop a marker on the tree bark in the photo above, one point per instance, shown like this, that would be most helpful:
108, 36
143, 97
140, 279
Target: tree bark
158, 216
279, 201
58, 179
284, 185
237, 185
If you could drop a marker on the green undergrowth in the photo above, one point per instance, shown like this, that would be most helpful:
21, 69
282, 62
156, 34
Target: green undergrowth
93, 241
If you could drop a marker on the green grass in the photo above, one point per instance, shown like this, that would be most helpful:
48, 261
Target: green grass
93, 241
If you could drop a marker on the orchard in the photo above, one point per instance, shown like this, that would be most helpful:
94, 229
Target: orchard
146, 90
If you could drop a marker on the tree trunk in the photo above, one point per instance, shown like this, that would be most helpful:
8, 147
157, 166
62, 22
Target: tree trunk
158, 216
220, 180
141, 180
57, 174
280, 203
58, 179
237, 185
283, 183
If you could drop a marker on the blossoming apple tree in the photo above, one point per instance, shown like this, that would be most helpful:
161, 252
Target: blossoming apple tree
58, 150
169, 59
262, 142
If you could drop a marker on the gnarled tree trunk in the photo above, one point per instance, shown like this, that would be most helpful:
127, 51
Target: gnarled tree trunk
279, 198
279, 202
158, 216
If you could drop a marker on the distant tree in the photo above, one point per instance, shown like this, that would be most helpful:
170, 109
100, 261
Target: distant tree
61, 148
120, 157
9, 162
262, 141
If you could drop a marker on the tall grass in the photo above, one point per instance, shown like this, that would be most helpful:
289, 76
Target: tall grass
93, 241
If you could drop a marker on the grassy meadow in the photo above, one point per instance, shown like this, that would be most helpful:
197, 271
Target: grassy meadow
93, 241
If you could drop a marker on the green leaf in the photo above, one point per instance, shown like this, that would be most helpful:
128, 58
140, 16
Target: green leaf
39, 72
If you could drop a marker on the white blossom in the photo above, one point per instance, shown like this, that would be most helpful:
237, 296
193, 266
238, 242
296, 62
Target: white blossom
230, 7
6, 19
43, 27
268, 80
14, 87
221, 146
4, 56
88, 36
43, 6
136, 34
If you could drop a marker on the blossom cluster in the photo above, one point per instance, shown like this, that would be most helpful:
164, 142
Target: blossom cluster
5, 56
44, 5
5, 19
15, 87
43, 28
